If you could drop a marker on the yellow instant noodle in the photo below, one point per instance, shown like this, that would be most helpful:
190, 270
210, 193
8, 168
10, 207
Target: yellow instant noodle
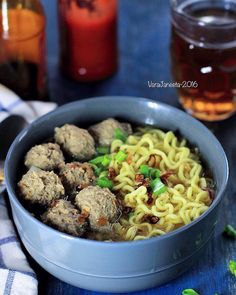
186, 197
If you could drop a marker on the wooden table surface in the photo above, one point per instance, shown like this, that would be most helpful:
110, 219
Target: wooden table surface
144, 30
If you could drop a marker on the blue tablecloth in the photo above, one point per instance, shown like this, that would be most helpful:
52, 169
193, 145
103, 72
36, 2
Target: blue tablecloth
144, 33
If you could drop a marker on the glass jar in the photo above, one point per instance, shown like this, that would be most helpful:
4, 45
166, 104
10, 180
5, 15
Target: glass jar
88, 38
22, 48
203, 53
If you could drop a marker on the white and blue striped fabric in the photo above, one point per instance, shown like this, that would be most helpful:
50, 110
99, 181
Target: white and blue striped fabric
16, 276
11, 104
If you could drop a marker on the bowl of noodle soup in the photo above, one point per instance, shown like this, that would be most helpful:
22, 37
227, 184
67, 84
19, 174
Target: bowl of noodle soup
167, 219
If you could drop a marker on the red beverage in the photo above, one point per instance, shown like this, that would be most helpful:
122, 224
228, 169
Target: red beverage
88, 38
203, 49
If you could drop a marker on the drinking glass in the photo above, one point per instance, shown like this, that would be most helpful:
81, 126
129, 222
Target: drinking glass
203, 51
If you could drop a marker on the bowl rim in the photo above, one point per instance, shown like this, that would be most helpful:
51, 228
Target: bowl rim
13, 198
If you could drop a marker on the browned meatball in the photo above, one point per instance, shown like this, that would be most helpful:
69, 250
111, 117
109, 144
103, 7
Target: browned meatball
65, 217
101, 205
104, 132
40, 187
76, 175
77, 142
45, 156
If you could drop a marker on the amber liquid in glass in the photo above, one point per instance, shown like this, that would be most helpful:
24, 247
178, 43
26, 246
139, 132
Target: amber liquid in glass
207, 73
22, 53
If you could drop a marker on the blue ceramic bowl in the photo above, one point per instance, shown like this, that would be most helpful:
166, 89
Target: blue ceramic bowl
117, 266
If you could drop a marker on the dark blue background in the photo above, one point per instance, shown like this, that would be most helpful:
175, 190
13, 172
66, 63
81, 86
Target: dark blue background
144, 34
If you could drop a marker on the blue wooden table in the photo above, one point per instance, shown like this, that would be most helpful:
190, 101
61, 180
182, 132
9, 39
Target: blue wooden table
144, 30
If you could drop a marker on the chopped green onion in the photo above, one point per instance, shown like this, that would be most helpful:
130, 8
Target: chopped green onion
229, 231
232, 267
103, 160
189, 292
154, 173
119, 134
149, 172
103, 174
97, 170
158, 187
104, 182
97, 160
106, 160
144, 169
103, 150
121, 156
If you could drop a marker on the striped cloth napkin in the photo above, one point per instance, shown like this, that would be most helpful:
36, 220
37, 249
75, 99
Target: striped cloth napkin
16, 276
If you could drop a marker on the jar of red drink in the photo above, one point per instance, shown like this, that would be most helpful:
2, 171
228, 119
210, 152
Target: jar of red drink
88, 38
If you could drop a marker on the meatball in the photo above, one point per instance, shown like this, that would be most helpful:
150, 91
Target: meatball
102, 206
47, 156
104, 132
77, 142
65, 217
40, 187
76, 175
126, 127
